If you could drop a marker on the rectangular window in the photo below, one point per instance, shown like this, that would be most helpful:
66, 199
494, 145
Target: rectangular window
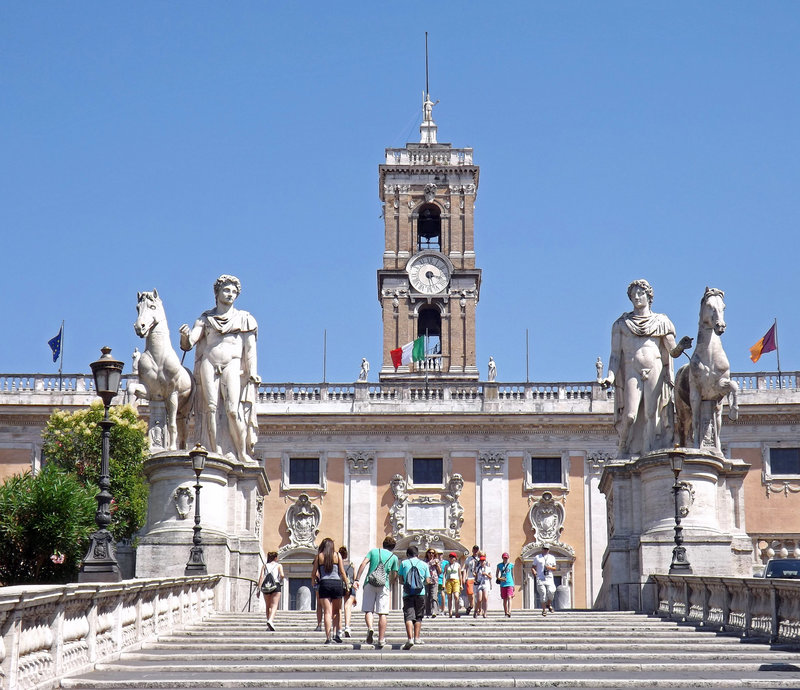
303, 471
546, 471
784, 461
428, 471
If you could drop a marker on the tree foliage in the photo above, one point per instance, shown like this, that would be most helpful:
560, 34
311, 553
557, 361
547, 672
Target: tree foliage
72, 441
45, 523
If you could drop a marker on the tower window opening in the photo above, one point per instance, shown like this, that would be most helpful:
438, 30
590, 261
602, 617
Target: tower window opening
429, 326
429, 228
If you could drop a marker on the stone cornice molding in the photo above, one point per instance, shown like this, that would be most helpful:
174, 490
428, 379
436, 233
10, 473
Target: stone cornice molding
559, 432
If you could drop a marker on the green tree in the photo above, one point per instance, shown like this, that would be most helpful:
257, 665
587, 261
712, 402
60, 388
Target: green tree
72, 441
45, 523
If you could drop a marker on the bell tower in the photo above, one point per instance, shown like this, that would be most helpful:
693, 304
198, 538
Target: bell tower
429, 287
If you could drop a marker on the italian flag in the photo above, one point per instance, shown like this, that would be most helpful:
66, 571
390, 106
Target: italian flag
410, 352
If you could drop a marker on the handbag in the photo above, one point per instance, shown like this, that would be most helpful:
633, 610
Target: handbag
501, 580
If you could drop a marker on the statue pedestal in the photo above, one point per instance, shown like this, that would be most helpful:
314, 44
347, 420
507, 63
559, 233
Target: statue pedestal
231, 504
641, 522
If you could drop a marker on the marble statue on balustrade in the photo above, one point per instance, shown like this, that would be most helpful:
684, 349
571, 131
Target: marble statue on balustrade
703, 384
225, 370
598, 365
492, 370
162, 377
364, 372
640, 369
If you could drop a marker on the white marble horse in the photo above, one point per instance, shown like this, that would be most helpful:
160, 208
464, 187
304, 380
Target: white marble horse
160, 370
705, 381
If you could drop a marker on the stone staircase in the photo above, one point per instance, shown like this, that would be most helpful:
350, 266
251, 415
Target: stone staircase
568, 649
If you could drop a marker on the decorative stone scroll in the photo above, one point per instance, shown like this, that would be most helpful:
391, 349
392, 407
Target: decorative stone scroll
361, 461
455, 513
492, 463
302, 522
547, 519
259, 515
397, 513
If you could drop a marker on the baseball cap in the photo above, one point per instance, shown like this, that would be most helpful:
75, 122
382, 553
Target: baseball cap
505, 555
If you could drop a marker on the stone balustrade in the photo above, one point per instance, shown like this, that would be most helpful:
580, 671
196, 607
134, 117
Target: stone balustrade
429, 156
48, 631
78, 389
757, 608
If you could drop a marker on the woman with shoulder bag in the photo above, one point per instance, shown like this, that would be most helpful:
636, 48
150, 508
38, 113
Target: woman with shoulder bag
330, 575
270, 582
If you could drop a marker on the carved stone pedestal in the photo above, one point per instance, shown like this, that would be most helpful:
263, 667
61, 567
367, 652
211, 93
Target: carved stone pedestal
230, 517
641, 522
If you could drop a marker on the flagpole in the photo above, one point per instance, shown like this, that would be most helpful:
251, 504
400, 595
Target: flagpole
324, 355
778, 355
61, 356
425, 358
527, 359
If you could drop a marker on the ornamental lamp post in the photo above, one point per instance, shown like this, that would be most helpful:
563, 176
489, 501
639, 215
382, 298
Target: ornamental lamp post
680, 564
197, 563
100, 563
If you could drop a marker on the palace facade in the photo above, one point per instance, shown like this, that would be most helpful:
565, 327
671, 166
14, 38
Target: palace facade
432, 454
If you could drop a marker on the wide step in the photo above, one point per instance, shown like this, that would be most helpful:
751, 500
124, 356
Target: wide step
571, 649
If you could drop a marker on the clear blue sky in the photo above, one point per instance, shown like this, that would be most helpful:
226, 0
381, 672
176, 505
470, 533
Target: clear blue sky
157, 144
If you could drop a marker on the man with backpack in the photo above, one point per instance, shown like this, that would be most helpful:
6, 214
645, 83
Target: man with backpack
382, 568
415, 574
470, 566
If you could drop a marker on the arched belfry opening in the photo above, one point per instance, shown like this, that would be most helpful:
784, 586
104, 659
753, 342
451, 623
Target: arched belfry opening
429, 228
429, 326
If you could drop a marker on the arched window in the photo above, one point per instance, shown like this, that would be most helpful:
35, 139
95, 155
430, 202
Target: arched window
429, 228
429, 324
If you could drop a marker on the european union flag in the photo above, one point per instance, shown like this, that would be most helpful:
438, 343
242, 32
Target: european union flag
55, 344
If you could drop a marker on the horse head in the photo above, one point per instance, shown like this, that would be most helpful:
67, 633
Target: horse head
149, 313
712, 310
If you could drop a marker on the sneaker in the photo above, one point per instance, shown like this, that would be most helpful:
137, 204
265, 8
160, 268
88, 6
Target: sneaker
469, 610
419, 641
380, 644
328, 641
433, 615
409, 644
550, 608
544, 613
270, 626
347, 632
318, 628
370, 636
337, 639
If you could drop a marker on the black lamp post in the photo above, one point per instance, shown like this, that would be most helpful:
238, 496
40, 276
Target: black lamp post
197, 563
680, 564
100, 563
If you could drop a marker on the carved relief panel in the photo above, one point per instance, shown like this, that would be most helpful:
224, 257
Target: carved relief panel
302, 522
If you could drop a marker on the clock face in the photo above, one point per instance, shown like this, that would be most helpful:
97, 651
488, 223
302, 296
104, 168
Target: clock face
429, 274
